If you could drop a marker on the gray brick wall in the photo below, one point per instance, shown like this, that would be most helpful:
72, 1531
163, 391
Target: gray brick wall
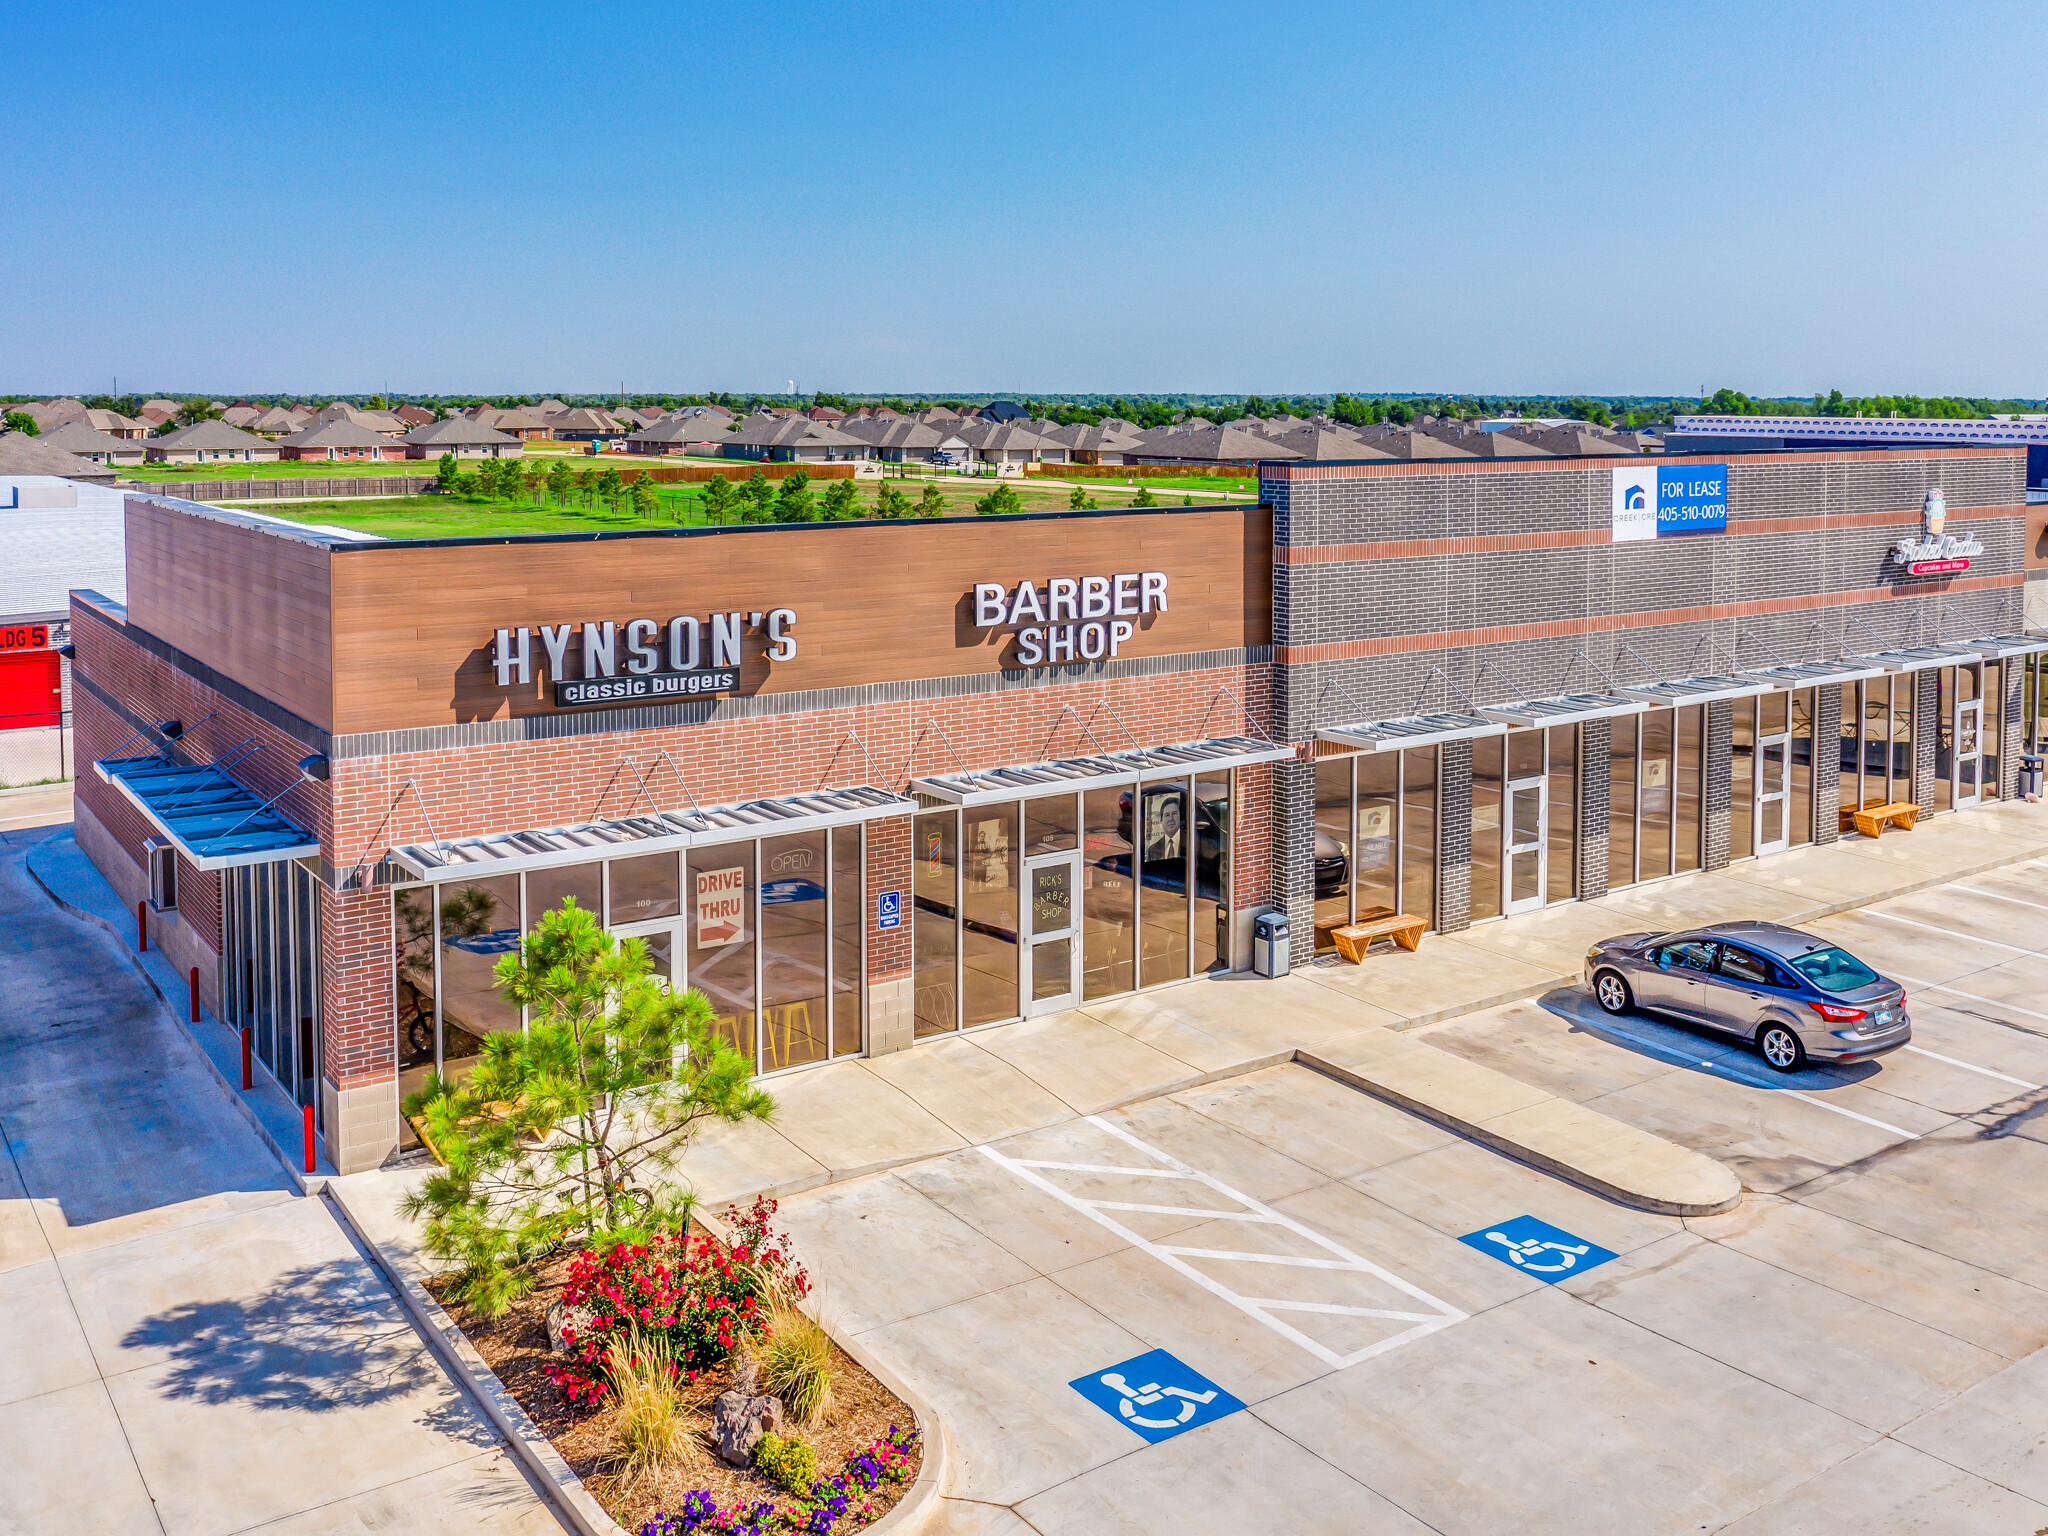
1926, 735
1454, 838
1715, 786
1294, 826
1596, 743
1827, 763
2012, 685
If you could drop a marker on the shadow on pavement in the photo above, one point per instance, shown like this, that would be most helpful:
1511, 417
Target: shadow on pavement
1688, 1045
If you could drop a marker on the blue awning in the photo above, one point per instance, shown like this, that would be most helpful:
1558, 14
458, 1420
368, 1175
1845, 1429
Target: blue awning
216, 823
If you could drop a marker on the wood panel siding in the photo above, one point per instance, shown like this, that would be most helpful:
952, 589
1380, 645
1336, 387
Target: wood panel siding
251, 604
413, 624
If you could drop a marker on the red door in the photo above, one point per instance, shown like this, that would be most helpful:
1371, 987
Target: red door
31, 690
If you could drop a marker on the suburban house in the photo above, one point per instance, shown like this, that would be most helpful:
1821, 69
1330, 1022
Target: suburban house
1106, 443
87, 442
211, 442
1009, 446
337, 440
282, 421
830, 415
243, 416
1206, 445
704, 435
792, 440
899, 441
523, 425
21, 454
584, 425
463, 438
413, 416
376, 421
114, 424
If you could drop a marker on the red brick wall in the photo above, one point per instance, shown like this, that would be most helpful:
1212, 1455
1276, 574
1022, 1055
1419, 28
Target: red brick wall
888, 869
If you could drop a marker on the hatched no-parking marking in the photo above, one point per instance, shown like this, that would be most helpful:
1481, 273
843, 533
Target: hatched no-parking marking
1331, 1256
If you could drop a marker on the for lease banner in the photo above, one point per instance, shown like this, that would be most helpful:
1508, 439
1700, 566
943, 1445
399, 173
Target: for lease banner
721, 906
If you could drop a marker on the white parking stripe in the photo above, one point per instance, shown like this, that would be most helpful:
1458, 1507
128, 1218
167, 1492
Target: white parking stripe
2001, 896
1951, 932
1935, 986
1442, 1315
1752, 1082
2018, 1082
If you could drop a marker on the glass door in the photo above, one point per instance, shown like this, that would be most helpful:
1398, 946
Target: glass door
1051, 882
1773, 807
664, 941
1969, 752
1527, 853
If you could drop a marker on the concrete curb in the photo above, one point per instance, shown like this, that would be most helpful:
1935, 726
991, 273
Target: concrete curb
572, 1501
305, 1183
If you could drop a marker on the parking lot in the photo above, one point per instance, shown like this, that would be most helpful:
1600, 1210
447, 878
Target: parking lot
1371, 1324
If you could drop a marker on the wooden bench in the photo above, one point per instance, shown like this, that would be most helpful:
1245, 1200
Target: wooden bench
1353, 939
1876, 815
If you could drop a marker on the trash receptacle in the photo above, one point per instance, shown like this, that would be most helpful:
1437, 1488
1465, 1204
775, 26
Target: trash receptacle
1269, 944
2030, 774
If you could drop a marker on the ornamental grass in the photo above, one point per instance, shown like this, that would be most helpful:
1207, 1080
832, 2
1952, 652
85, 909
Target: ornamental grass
795, 1355
649, 1417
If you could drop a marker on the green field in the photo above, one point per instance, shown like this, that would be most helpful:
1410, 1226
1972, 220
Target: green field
448, 517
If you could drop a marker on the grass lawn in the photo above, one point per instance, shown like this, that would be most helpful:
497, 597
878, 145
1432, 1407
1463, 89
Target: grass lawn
448, 517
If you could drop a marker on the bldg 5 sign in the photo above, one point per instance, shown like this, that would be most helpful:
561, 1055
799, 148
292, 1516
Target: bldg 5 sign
1657, 501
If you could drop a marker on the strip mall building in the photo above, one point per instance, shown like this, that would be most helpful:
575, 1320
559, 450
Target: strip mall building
869, 784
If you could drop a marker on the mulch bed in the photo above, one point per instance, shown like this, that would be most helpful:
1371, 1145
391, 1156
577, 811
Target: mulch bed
515, 1346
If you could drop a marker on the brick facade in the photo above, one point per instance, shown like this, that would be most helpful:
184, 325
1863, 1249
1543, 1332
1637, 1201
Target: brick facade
1827, 763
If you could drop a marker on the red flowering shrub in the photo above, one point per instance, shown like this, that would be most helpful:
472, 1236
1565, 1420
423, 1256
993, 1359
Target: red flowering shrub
706, 1297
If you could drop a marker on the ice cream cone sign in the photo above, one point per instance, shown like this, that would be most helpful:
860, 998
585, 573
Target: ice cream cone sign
1935, 513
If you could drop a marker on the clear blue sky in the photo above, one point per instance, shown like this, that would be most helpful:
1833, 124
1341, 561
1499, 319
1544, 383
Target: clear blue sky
502, 198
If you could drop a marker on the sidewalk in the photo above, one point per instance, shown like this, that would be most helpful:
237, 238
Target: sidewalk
849, 1118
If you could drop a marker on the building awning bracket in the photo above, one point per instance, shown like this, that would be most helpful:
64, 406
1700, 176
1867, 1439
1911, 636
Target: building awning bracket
1020, 781
215, 822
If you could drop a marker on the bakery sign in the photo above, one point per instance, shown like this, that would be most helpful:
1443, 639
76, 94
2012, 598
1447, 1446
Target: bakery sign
1936, 551
1070, 618
642, 661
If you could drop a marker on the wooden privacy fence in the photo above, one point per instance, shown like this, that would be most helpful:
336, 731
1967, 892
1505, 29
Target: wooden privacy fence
727, 469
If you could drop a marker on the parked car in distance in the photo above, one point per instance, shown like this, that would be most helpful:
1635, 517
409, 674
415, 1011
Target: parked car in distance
1333, 866
1795, 997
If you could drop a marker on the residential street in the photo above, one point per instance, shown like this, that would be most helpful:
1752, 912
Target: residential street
192, 1348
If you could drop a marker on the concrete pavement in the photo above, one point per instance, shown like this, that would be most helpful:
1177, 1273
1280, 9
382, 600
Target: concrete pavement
186, 1345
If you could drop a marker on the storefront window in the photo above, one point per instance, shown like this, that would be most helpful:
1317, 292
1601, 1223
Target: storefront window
1488, 757
1621, 801
1375, 856
1689, 750
479, 923
988, 883
1212, 873
1903, 688
1995, 726
849, 903
1049, 824
644, 888
1655, 748
1333, 843
1108, 904
1742, 780
1564, 784
794, 1019
1849, 792
935, 923
305, 962
720, 925
547, 889
1418, 833
1163, 899
412, 984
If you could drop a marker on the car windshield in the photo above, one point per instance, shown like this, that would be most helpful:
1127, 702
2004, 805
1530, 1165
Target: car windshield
1834, 970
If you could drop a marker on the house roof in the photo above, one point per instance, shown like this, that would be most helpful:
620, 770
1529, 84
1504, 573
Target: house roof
682, 429
585, 419
1413, 443
1213, 445
457, 432
336, 434
281, 418
113, 421
21, 454
168, 407
376, 421
241, 415
210, 434
1488, 445
414, 415
765, 431
507, 420
1326, 444
549, 407
81, 437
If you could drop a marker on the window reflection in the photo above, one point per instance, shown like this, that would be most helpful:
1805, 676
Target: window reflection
988, 953
1108, 908
479, 924
935, 922
720, 923
793, 1002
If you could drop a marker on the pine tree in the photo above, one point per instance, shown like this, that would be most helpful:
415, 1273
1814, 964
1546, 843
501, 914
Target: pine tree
642, 494
931, 503
793, 502
838, 502
718, 499
890, 502
1003, 499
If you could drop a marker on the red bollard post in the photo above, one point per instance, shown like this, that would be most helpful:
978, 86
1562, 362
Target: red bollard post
195, 994
311, 1165
141, 926
248, 1079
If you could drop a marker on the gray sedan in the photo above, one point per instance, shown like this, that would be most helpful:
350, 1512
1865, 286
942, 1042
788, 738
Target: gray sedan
1795, 997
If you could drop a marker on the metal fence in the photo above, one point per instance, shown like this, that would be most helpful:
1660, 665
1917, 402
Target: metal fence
34, 754
300, 488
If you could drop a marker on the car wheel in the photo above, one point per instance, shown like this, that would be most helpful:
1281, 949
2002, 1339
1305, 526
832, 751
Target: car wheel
1781, 1047
1612, 993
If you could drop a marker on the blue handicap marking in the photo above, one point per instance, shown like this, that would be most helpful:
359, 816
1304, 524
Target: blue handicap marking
1156, 1395
1537, 1248
889, 909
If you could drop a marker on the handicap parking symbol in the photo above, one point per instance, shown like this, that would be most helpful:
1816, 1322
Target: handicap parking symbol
1156, 1395
1537, 1248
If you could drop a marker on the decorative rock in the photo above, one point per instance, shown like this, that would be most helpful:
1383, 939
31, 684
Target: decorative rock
741, 1416
561, 1318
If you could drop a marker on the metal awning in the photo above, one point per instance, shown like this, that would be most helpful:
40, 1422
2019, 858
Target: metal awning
1565, 709
1918, 658
1410, 731
1697, 690
1997, 647
1809, 674
505, 853
216, 823
987, 786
